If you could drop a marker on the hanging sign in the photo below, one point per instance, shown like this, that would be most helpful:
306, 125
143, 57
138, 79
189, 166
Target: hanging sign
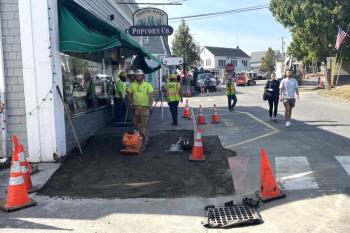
150, 22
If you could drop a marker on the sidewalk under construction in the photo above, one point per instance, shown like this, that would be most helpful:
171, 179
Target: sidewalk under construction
105, 173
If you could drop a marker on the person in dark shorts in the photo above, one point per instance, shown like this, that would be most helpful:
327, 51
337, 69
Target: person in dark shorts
288, 91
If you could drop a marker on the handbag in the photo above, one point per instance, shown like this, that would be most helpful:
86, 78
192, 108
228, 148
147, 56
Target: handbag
267, 95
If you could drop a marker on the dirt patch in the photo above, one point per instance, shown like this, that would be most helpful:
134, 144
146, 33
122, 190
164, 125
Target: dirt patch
340, 93
154, 174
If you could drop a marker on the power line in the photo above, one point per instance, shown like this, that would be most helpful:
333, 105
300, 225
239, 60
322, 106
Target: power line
220, 13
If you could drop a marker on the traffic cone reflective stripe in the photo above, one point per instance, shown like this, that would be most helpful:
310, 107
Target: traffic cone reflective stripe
215, 117
200, 118
197, 149
187, 111
268, 186
24, 168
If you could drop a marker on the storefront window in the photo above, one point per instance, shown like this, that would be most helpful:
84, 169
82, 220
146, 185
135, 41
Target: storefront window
86, 85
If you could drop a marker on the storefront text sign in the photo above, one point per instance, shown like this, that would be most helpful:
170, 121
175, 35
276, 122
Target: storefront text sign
150, 22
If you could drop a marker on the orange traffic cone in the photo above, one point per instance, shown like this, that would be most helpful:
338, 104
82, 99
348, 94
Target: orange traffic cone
200, 118
268, 187
187, 112
197, 149
17, 196
25, 171
215, 117
188, 92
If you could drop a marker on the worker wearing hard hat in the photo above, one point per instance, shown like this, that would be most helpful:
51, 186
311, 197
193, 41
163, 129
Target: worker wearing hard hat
141, 99
173, 95
120, 97
131, 76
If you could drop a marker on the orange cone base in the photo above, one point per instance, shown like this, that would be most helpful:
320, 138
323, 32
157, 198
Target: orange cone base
34, 189
215, 121
270, 198
190, 158
10, 209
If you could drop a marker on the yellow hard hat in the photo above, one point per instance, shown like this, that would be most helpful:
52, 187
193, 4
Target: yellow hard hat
123, 74
172, 76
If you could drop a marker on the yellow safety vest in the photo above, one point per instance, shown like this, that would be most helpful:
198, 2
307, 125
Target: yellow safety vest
120, 86
140, 93
173, 90
230, 89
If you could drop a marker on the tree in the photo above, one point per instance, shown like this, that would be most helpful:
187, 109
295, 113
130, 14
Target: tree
183, 45
313, 24
268, 61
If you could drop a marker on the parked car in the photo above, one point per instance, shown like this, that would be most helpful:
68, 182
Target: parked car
207, 78
243, 79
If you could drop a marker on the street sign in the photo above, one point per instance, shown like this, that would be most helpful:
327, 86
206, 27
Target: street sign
172, 61
229, 68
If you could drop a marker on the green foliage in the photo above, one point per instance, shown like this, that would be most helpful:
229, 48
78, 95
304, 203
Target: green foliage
268, 61
313, 24
184, 46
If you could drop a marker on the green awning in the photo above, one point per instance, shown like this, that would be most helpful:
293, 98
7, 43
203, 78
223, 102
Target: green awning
83, 32
77, 37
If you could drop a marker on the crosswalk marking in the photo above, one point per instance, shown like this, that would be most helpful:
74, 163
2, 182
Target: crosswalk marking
344, 162
294, 173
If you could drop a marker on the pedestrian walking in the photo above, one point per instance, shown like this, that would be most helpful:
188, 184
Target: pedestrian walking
202, 86
173, 95
231, 94
272, 95
141, 99
288, 91
120, 94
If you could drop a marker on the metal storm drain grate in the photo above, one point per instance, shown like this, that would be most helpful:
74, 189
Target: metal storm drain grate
231, 216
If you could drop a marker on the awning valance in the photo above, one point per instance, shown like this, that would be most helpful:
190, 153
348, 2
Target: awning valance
83, 32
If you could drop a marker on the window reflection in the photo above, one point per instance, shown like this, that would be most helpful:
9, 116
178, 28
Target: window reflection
85, 86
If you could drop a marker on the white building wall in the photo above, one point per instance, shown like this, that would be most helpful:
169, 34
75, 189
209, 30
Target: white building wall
41, 75
204, 55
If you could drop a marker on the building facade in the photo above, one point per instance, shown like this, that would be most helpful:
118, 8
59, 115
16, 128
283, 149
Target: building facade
34, 73
216, 58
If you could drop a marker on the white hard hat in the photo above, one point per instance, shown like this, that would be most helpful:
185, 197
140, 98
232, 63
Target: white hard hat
139, 72
131, 72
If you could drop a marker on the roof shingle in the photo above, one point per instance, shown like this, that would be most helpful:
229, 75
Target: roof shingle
228, 52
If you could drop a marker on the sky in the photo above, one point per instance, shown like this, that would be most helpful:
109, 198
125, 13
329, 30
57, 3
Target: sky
251, 31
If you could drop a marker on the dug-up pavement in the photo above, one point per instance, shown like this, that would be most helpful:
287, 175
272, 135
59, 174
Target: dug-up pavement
321, 209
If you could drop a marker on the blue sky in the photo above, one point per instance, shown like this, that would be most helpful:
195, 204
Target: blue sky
254, 31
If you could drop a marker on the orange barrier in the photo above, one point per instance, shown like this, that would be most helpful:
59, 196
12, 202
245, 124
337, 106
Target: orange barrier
197, 149
17, 196
215, 117
187, 112
200, 118
268, 187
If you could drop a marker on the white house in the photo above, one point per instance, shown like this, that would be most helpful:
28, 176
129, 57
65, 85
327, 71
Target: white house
216, 58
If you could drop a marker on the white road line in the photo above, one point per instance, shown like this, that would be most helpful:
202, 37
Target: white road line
252, 139
294, 173
344, 162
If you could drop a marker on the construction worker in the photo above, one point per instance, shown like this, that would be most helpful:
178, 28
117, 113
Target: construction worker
131, 76
120, 94
173, 95
231, 94
141, 99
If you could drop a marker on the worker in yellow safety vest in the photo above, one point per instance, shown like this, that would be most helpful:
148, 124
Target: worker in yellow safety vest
120, 97
173, 95
141, 99
231, 94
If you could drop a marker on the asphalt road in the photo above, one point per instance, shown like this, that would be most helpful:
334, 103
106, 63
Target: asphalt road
311, 161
